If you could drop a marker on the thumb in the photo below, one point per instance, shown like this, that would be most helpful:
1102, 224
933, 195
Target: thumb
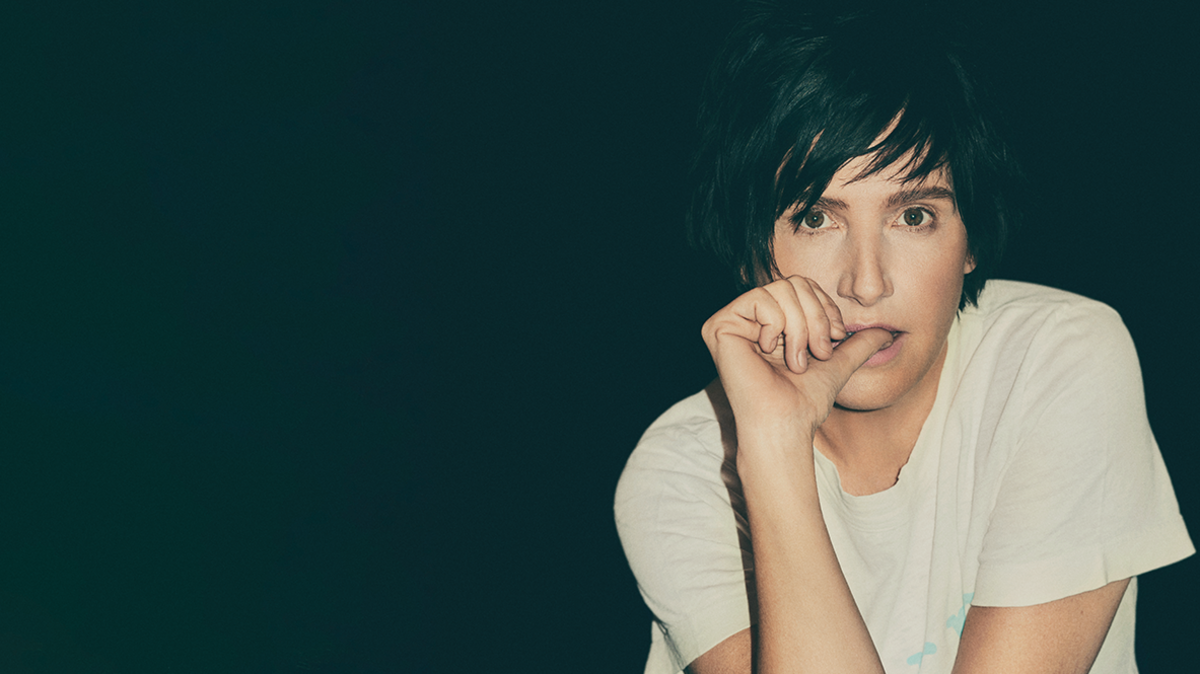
858, 349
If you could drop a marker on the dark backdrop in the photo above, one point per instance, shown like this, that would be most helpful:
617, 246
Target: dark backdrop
328, 326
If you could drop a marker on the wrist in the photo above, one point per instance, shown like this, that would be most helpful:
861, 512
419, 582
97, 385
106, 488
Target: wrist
778, 478
773, 449
776, 433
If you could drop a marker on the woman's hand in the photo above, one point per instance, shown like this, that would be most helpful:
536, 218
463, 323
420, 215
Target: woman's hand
775, 352
778, 355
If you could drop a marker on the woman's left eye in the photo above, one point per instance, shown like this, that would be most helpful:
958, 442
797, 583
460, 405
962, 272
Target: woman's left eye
916, 217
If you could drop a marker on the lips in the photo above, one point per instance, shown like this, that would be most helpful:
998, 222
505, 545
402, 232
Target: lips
851, 329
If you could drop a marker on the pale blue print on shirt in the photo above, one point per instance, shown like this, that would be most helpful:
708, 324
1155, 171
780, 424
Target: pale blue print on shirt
954, 622
916, 658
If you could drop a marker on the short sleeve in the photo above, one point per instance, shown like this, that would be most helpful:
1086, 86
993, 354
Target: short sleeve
681, 537
1085, 498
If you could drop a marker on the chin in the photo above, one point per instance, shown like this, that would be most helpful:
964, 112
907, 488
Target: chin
863, 395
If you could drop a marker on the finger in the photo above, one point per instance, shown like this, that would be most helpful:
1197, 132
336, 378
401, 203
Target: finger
743, 319
837, 326
817, 316
855, 351
766, 319
795, 330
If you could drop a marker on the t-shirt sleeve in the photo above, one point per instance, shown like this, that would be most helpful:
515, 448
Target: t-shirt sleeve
681, 537
1085, 498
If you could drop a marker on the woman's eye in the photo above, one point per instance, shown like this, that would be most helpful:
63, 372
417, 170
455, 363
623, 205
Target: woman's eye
814, 220
916, 217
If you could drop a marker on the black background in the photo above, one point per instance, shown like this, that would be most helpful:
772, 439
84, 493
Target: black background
328, 326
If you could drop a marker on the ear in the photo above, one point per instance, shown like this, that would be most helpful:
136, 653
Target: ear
969, 264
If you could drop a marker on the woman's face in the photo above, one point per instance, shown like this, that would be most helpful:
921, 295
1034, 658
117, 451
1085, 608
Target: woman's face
891, 255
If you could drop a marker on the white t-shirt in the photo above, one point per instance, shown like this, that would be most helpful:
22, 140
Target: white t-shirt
1035, 477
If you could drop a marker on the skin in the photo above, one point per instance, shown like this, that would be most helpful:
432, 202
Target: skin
891, 254
874, 251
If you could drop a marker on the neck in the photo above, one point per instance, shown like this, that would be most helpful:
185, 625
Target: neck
869, 447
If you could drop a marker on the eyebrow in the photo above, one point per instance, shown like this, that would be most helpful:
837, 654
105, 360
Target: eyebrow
905, 196
922, 193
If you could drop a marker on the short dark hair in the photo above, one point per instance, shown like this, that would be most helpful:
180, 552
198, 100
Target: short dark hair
791, 78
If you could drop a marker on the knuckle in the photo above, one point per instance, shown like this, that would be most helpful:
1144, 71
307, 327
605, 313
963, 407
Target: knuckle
760, 298
800, 283
715, 325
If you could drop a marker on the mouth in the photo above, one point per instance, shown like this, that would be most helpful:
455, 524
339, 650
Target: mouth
851, 329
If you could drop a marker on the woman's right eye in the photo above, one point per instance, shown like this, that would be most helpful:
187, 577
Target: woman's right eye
814, 220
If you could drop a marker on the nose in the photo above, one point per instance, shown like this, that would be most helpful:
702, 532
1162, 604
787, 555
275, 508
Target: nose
865, 279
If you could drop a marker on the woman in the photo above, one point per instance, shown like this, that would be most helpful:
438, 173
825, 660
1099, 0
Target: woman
902, 466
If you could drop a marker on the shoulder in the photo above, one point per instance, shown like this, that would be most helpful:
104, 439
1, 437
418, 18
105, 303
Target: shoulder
682, 527
675, 487
680, 451
1028, 325
1041, 368
1006, 303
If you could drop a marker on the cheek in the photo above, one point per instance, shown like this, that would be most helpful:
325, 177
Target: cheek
950, 259
936, 273
948, 276
793, 259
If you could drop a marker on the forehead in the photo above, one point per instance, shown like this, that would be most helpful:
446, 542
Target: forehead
899, 158
902, 173
856, 186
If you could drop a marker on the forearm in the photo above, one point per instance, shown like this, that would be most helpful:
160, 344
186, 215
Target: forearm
807, 618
